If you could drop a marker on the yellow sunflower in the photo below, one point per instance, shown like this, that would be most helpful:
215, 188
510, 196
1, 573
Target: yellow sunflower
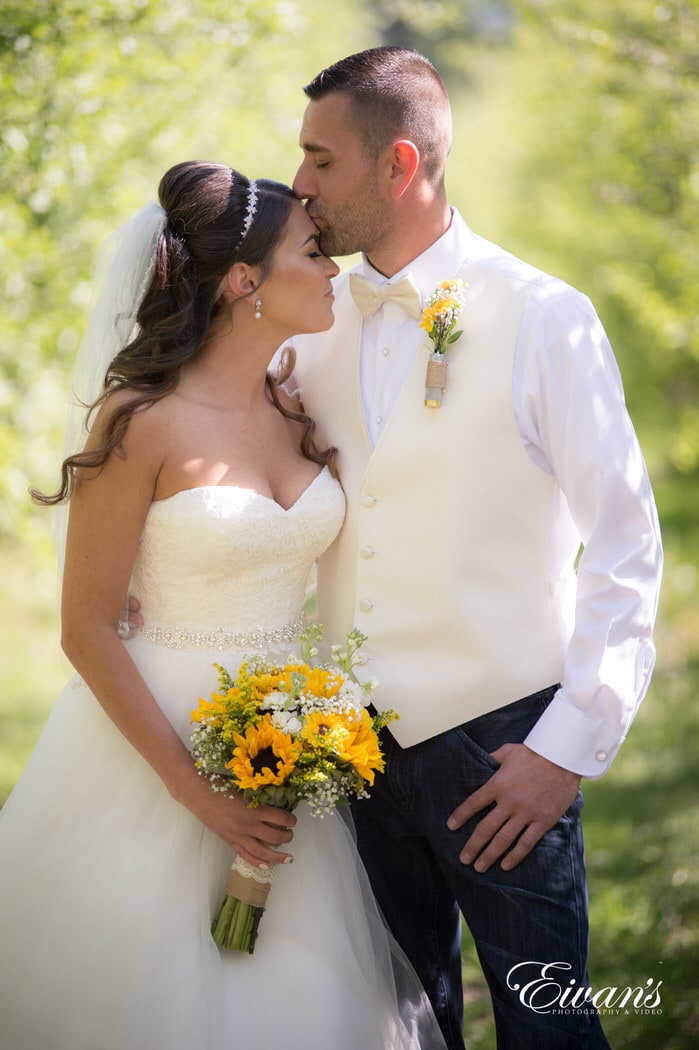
264, 683
264, 755
325, 728
317, 681
321, 682
361, 747
213, 708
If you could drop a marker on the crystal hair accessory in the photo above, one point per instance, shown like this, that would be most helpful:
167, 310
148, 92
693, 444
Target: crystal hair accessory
250, 211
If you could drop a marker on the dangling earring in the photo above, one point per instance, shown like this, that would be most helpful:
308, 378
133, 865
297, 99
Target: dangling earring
258, 309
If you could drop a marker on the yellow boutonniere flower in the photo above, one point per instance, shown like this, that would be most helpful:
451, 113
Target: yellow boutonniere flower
442, 312
439, 319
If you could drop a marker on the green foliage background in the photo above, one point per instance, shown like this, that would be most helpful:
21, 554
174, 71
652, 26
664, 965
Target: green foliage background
576, 146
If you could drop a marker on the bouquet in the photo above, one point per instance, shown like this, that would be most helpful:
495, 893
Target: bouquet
280, 733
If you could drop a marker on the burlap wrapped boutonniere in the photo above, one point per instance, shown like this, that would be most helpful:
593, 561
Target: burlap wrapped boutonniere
439, 319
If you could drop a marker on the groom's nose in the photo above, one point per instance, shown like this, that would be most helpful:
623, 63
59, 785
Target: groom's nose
304, 185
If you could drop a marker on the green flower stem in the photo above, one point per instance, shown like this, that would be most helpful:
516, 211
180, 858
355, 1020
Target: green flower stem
235, 927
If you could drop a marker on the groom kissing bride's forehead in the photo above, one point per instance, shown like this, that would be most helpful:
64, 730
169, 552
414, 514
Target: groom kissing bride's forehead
514, 673
445, 430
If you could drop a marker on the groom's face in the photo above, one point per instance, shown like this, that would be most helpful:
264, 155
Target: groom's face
339, 181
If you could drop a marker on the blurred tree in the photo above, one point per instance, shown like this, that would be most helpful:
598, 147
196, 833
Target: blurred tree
440, 28
96, 100
611, 184
593, 173
602, 181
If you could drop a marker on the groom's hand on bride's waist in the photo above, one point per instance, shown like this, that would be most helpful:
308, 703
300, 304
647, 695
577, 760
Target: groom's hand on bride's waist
135, 620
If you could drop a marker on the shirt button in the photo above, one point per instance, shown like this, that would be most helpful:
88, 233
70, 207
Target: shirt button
379, 419
386, 351
366, 605
368, 501
367, 552
602, 756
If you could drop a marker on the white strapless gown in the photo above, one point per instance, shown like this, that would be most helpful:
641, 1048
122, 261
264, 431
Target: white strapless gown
108, 886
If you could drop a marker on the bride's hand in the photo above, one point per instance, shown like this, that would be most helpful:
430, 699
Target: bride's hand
252, 833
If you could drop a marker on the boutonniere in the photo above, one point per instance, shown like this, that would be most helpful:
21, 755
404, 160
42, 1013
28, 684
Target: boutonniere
439, 319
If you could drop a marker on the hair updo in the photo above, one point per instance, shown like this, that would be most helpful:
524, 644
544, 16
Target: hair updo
206, 206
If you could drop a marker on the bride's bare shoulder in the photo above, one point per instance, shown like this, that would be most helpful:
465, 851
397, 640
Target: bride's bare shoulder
146, 421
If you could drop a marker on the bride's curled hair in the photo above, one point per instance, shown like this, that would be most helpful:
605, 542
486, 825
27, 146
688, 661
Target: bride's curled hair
204, 234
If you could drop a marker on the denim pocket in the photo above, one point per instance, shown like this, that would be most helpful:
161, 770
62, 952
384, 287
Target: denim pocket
505, 725
475, 751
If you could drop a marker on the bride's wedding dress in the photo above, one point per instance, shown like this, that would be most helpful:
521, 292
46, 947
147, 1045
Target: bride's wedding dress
108, 886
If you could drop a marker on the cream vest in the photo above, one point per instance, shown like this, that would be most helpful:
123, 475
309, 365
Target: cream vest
444, 557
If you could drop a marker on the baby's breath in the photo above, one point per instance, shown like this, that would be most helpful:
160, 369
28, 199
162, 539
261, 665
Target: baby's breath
283, 732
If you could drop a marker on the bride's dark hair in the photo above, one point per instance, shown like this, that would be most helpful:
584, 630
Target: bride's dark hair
205, 205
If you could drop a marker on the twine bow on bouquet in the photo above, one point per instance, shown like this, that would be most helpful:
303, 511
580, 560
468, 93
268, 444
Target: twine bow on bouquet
280, 733
439, 319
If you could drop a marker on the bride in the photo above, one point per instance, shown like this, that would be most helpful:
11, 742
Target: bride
194, 482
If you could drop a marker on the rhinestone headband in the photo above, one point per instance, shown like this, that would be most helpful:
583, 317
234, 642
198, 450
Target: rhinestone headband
250, 211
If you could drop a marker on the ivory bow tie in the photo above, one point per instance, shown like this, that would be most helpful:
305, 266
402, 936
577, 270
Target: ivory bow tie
369, 296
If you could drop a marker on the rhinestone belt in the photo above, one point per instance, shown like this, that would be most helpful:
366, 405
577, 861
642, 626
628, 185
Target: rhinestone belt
176, 637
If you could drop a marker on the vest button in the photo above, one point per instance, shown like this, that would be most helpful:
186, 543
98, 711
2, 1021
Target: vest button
368, 501
366, 605
367, 552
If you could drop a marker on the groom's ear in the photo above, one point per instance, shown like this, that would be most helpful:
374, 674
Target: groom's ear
403, 157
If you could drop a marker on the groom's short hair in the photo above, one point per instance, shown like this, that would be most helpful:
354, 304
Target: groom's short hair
394, 93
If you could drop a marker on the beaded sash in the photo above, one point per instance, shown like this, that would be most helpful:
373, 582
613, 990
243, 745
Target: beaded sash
177, 637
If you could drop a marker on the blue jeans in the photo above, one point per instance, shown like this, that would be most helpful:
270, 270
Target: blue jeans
535, 914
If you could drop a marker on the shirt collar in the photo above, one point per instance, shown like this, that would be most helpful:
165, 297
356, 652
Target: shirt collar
441, 261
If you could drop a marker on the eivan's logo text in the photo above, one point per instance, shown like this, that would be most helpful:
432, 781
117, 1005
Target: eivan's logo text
545, 988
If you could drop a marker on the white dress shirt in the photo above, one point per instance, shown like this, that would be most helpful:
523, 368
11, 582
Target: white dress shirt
566, 388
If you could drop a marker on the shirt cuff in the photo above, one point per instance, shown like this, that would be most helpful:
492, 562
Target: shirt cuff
568, 737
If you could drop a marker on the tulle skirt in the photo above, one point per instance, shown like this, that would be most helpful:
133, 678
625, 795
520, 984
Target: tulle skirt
108, 888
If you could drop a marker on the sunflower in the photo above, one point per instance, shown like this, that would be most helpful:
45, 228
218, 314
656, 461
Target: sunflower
209, 709
325, 729
314, 681
323, 683
262, 684
361, 747
264, 755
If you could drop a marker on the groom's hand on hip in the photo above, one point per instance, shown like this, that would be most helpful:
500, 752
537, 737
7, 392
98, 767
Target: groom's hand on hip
135, 620
528, 795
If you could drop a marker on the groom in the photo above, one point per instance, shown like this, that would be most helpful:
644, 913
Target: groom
514, 675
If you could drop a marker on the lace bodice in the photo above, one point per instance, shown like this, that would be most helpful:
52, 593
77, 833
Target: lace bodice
221, 558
